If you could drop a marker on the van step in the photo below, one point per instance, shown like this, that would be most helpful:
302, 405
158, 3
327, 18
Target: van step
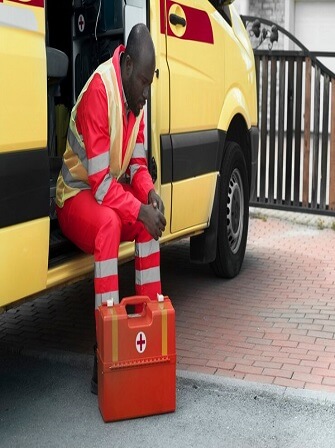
60, 248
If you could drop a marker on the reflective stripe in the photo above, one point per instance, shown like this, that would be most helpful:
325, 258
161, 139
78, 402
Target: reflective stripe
147, 276
103, 297
164, 331
115, 336
98, 163
139, 151
103, 188
105, 268
146, 249
133, 170
18, 18
77, 148
71, 182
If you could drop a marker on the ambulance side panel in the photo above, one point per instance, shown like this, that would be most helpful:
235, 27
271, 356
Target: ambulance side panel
210, 80
24, 166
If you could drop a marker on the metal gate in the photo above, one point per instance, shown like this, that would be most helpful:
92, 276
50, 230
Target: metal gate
296, 98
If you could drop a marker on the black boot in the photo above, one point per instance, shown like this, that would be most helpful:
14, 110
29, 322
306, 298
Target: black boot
94, 380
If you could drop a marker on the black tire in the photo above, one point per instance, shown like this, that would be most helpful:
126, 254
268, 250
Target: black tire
233, 213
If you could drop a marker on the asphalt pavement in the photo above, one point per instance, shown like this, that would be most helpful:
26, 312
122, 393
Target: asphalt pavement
47, 403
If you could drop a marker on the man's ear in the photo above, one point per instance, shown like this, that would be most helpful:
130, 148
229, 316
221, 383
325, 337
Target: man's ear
129, 65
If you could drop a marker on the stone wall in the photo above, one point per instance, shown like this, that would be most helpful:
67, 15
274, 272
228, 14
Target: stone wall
273, 10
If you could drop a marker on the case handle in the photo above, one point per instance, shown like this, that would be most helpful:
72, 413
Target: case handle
135, 300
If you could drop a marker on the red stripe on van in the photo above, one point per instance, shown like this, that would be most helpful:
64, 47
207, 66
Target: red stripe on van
198, 24
39, 3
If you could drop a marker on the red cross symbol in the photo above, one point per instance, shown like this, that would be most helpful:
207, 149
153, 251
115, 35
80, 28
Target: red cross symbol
81, 23
141, 342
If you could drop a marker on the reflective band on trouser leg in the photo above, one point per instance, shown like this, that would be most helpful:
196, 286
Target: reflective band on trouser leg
106, 281
107, 241
102, 298
147, 266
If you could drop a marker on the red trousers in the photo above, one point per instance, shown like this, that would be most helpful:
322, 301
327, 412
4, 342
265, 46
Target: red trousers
98, 230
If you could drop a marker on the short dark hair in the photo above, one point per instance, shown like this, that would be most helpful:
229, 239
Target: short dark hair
139, 39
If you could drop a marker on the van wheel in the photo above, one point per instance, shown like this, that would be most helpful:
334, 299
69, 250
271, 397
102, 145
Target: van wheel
233, 213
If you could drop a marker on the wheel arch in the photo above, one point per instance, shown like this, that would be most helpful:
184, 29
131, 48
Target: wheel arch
238, 132
236, 119
203, 247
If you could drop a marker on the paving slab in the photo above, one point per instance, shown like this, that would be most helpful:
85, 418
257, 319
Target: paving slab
273, 324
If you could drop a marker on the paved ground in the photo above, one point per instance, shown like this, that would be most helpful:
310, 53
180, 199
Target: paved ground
273, 324
48, 404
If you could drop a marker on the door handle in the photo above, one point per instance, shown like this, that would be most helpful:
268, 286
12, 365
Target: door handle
177, 20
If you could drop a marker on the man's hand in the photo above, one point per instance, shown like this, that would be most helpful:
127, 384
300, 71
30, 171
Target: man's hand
153, 219
155, 200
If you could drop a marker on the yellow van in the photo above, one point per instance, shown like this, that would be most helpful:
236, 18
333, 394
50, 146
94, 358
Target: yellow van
201, 128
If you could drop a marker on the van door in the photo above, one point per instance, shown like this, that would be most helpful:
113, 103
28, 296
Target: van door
195, 55
24, 168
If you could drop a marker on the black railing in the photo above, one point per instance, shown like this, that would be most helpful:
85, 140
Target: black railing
296, 97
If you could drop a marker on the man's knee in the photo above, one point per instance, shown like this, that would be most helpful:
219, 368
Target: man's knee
110, 226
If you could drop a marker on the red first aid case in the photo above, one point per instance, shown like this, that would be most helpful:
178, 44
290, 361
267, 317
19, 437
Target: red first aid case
136, 359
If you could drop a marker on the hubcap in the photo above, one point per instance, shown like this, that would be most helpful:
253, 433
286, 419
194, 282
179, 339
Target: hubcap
235, 211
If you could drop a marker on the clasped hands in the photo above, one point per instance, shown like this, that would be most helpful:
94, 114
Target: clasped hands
152, 215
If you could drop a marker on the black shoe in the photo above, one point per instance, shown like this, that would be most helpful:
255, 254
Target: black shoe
94, 380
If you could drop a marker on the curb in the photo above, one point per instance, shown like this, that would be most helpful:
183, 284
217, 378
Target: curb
271, 391
194, 379
307, 219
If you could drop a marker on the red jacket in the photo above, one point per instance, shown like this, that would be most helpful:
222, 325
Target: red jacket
92, 122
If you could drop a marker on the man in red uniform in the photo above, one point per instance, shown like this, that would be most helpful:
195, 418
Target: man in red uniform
96, 208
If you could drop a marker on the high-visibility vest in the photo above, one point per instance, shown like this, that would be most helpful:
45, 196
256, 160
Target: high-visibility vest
74, 173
